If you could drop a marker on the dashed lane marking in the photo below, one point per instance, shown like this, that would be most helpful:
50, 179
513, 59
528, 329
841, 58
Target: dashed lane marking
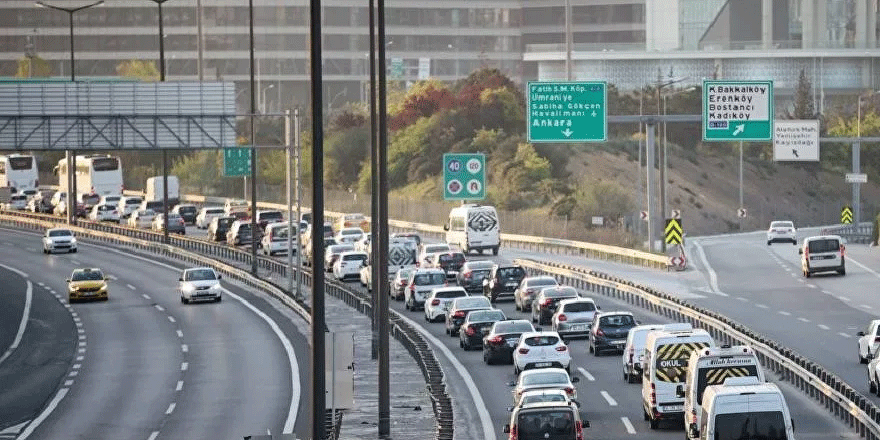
762, 306
171, 408
131, 287
824, 327
812, 286
153, 435
179, 334
608, 398
171, 318
628, 425
145, 296
843, 334
159, 308
784, 313
184, 366
184, 348
179, 385
586, 374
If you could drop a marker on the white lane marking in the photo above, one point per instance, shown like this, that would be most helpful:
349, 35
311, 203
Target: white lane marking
131, 287
171, 318
145, 296
43, 415
80, 358
843, 298
628, 425
68, 383
159, 308
112, 277
179, 385
291, 354
77, 366
39, 283
170, 408
82, 337
25, 315
761, 306
608, 398
76, 262
812, 286
184, 348
82, 343
476, 398
713, 277
153, 435
79, 328
868, 269
73, 373
184, 366
865, 306
843, 334
586, 374
82, 350
824, 327
826, 292
784, 313
742, 299
800, 280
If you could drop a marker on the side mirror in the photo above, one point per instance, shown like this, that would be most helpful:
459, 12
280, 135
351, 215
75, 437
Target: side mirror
506, 429
575, 379
539, 329
509, 409
219, 277
860, 334
800, 251
585, 423
870, 356
679, 391
446, 228
180, 279
67, 280
485, 282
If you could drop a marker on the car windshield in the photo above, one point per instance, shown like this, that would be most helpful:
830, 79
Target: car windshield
428, 279
486, 316
133, 201
87, 275
616, 321
404, 273
339, 248
186, 209
550, 424
582, 306
542, 397
763, 425
449, 293
545, 378
781, 225
472, 303
225, 222
244, 227
214, 211
452, 259
199, 275
60, 233
513, 327
541, 341
436, 248
354, 257
824, 245
271, 215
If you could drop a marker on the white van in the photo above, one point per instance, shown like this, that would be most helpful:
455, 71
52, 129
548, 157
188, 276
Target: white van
474, 228
823, 253
634, 350
275, 239
665, 368
744, 407
712, 366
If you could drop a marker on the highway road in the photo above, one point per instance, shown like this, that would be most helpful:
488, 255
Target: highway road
141, 365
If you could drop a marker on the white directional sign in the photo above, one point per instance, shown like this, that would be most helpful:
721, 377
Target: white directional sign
856, 178
737, 110
742, 213
796, 140
676, 213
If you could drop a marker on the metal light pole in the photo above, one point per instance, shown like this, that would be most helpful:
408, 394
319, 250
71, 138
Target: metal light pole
639, 172
382, 224
69, 157
287, 146
164, 151
374, 185
299, 248
568, 40
253, 141
663, 200
856, 160
262, 104
660, 85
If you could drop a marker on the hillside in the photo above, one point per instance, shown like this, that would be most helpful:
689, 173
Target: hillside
706, 189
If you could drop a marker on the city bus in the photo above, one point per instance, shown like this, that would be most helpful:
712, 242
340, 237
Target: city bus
19, 171
95, 174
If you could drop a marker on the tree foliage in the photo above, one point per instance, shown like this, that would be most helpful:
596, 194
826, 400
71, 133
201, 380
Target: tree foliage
803, 100
145, 70
604, 199
33, 67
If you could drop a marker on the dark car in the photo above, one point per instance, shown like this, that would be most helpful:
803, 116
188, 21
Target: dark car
499, 343
472, 274
544, 305
218, 227
476, 325
187, 212
609, 331
503, 280
458, 310
415, 237
451, 263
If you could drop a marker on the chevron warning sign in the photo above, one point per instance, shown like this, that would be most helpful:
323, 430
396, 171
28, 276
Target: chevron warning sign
672, 360
672, 232
846, 215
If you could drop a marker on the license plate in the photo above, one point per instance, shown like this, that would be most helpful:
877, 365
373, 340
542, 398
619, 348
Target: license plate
619, 342
511, 284
671, 408
543, 364
578, 328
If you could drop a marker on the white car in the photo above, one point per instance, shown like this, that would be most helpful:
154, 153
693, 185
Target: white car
130, 204
435, 305
203, 218
199, 284
332, 253
17, 202
58, 239
349, 235
420, 284
541, 350
573, 317
869, 340
545, 379
110, 199
104, 213
349, 265
430, 248
874, 371
780, 230
141, 218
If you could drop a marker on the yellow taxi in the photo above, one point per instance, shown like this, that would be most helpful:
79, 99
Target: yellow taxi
87, 284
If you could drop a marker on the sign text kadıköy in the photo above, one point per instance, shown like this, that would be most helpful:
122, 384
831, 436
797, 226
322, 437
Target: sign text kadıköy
567, 112
737, 110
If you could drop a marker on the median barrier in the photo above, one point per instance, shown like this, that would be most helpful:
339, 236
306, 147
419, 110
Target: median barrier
838, 397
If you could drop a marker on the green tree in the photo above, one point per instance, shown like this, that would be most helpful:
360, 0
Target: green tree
604, 199
144, 70
200, 170
33, 67
803, 100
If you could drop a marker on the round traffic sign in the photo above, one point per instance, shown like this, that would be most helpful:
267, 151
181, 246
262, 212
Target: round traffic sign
454, 186
474, 186
474, 166
454, 166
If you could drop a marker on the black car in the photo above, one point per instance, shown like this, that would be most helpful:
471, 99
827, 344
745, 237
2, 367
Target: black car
609, 331
544, 305
472, 274
458, 310
502, 339
503, 279
218, 228
476, 325
187, 212
451, 263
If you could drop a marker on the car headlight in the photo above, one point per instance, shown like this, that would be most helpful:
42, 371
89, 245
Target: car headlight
73, 288
73, 240
104, 288
188, 288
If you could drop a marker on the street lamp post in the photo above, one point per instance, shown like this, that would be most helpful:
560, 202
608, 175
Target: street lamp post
70, 158
344, 92
164, 151
856, 158
660, 85
263, 98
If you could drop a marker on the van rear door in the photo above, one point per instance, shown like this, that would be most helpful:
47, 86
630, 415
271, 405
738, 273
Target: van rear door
482, 227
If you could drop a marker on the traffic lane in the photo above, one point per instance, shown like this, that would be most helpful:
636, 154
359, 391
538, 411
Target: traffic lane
30, 374
12, 305
235, 361
126, 361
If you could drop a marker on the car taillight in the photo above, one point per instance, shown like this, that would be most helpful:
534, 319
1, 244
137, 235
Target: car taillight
653, 394
523, 351
513, 435
435, 302
458, 314
470, 330
599, 332
569, 391
692, 417
561, 348
530, 291
412, 288
496, 340
842, 250
562, 317
579, 429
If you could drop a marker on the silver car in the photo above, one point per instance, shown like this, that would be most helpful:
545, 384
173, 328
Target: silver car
573, 317
58, 239
199, 284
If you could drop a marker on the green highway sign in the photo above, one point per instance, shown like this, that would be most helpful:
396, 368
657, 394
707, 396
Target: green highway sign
570, 111
464, 176
737, 110
237, 161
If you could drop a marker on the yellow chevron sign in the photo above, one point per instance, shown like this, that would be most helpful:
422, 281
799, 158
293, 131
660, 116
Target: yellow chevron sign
673, 232
846, 215
717, 376
672, 360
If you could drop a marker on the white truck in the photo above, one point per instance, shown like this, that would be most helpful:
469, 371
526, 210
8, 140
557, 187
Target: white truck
155, 187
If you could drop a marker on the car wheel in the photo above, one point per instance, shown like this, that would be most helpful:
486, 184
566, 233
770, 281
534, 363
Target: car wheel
654, 423
807, 273
516, 370
74, 250
842, 271
626, 377
872, 388
427, 318
487, 359
590, 347
184, 300
645, 414
219, 298
495, 251
768, 242
461, 344
794, 242
862, 359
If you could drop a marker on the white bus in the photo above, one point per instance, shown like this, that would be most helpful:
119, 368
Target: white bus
19, 171
95, 174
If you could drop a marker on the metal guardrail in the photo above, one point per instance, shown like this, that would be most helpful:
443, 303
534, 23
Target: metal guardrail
861, 233
198, 252
838, 397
